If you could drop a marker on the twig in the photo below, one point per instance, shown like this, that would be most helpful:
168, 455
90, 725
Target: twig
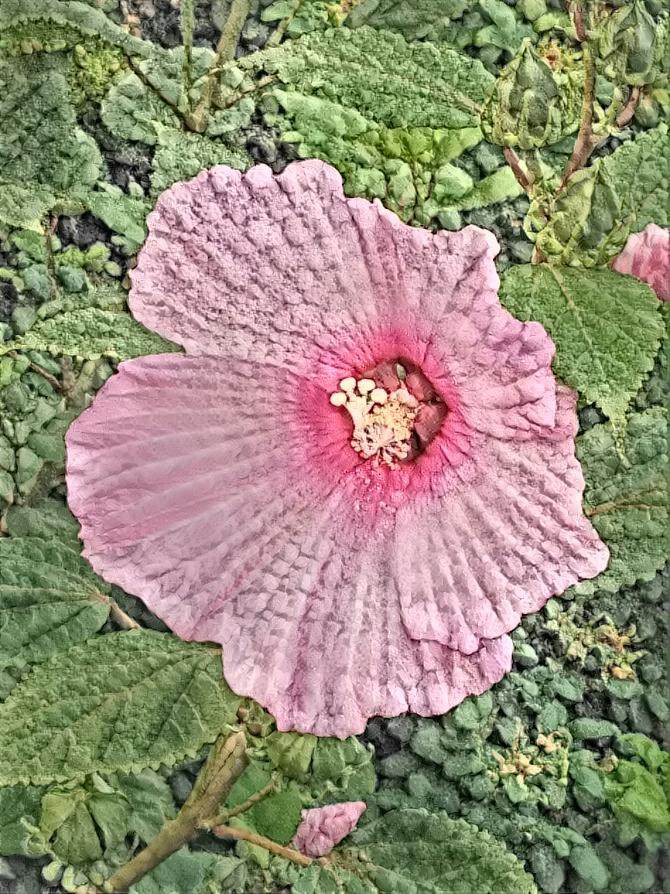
52, 380
223, 818
224, 765
628, 110
513, 161
280, 30
586, 141
124, 621
257, 85
187, 24
288, 853
225, 52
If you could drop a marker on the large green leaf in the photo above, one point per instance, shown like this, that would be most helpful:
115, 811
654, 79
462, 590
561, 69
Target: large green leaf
43, 154
606, 327
124, 701
393, 82
49, 599
626, 497
194, 872
67, 20
91, 332
390, 115
415, 852
590, 220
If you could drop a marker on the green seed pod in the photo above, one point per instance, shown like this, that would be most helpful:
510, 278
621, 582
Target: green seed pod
533, 104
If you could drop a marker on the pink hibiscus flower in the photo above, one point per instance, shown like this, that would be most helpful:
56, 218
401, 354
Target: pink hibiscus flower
362, 473
646, 256
322, 828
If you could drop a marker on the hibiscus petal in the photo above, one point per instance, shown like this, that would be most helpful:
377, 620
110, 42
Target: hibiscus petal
270, 267
183, 501
481, 556
324, 827
646, 255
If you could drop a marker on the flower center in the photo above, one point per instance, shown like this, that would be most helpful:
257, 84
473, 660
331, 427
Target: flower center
391, 425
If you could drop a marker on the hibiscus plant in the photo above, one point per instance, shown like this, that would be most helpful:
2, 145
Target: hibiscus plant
333, 449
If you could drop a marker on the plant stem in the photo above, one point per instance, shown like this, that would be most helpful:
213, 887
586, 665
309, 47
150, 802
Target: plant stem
124, 621
225, 52
222, 818
225, 764
288, 853
586, 141
628, 110
512, 160
187, 22
280, 30
52, 380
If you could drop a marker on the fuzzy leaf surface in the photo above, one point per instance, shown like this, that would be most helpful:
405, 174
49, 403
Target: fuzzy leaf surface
124, 701
606, 327
411, 851
91, 332
70, 20
626, 498
50, 599
390, 115
589, 222
43, 154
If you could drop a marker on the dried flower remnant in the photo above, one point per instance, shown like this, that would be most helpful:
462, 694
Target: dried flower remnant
646, 256
353, 555
322, 828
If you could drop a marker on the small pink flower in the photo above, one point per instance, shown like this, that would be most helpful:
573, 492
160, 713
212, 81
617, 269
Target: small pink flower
324, 827
646, 255
362, 473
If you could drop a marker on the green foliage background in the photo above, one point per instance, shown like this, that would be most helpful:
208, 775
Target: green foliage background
554, 780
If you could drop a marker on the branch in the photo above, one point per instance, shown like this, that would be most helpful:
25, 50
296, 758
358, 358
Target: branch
628, 110
225, 52
586, 140
512, 160
225, 764
124, 621
288, 853
52, 380
280, 30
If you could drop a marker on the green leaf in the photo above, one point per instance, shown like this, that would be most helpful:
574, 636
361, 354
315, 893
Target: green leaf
532, 104
632, 789
19, 809
189, 872
49, 599
626, 497
411, 851
25, 208
180, 156
606, 327
91, 333
48, 517
626, 44
122, 213
124, 701
414, 19
601, 205
388, 114
43, 154
381, 76
72, 20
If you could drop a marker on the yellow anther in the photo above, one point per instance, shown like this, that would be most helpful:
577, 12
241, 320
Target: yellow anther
348, 384
365, 386
378, 395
